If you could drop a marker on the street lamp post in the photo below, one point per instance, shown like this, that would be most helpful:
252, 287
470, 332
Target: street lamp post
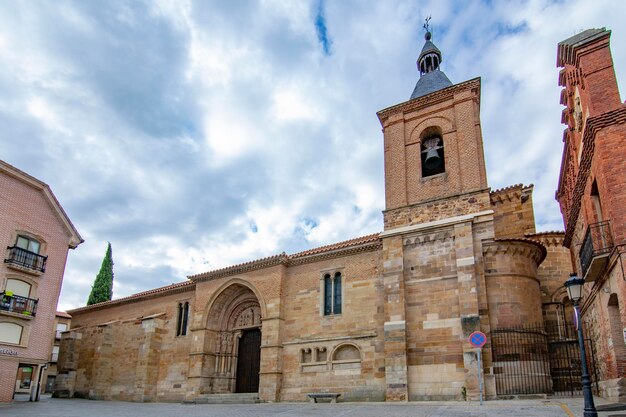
574, 287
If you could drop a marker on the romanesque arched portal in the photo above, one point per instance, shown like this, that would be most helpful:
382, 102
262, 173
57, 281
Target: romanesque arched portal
233, 341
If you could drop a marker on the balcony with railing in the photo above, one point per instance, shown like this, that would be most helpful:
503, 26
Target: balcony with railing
595, 250
25, 260
17, 304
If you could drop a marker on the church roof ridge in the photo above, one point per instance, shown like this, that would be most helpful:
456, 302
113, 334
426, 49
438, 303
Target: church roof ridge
132, 297
374, 237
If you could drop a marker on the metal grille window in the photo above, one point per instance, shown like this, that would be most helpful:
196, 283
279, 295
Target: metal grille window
332, 294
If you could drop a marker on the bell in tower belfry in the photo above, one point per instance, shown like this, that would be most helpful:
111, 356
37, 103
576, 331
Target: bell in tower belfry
433, 163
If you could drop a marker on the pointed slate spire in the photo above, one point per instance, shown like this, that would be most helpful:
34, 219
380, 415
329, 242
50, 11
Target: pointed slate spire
431, 77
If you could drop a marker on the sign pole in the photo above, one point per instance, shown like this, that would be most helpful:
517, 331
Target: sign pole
478, 340
480, 374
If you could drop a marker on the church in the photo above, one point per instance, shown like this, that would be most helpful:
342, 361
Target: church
384, 317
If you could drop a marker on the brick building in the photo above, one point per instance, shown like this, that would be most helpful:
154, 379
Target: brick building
592, 196
380, 317
37, 235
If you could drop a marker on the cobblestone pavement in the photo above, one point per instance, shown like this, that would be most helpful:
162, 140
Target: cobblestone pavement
85, 408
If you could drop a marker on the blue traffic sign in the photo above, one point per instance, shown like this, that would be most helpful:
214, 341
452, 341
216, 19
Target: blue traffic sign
478, 339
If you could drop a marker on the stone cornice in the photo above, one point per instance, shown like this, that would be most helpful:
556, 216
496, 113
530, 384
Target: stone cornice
548, 239
513, 192
435, 224
429, 237
592, 126
532, 249
430, 99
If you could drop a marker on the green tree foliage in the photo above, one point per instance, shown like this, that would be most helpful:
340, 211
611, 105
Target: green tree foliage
102, 289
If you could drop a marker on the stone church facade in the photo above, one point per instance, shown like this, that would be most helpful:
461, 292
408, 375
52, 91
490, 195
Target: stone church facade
380, 317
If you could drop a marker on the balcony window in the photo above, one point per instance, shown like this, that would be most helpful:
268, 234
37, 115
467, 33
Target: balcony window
25, 253
17, 304
594, 251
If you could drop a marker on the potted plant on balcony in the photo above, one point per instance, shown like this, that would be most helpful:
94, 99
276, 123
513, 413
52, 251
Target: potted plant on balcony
5, 301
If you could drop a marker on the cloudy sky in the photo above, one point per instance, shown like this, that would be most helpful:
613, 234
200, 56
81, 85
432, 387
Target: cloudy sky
195, 135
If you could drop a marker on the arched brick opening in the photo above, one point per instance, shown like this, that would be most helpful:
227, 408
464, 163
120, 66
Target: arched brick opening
617, 336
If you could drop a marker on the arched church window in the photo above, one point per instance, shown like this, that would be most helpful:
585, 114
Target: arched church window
182, 318
333, 293
432, 152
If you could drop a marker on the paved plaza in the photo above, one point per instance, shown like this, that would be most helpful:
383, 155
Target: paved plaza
48, 407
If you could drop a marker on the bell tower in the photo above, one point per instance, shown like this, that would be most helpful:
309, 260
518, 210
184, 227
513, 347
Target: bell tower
437, 215
434, 160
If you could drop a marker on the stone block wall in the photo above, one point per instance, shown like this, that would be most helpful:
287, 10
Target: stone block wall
513, 288
437, 209
513, 211
126, 352
310, 338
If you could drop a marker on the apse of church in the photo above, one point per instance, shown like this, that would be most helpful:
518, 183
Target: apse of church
380, 317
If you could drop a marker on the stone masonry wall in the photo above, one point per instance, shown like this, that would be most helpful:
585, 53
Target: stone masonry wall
513, 211
359, 324
122, 354
437, 209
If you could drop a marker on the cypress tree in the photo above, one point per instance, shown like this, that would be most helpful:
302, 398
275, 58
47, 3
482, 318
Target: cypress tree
102, 289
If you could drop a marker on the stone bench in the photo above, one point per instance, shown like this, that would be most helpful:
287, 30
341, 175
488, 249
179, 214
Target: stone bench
332, 396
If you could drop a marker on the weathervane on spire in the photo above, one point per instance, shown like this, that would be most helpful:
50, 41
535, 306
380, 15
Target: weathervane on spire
428, 34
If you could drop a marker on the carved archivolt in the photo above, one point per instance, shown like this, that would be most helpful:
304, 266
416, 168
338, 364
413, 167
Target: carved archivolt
235, 309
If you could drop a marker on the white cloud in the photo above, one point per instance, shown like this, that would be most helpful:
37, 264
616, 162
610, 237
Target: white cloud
194, 135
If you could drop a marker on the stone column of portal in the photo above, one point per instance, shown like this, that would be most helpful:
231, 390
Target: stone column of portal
395, 320
468, 301
147, 370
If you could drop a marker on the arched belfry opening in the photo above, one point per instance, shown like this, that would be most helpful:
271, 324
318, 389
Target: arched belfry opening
432, 153
233, 343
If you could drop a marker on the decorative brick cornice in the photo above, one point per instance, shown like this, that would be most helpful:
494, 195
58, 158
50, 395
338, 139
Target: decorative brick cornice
548, 239
529, 248
430, 99
177, 288
592, 126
